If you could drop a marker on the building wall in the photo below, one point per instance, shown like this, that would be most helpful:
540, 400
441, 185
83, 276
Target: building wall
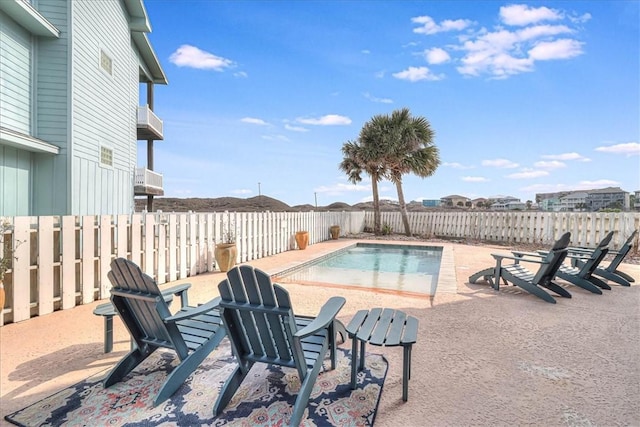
52, 85
15, 68
103, 110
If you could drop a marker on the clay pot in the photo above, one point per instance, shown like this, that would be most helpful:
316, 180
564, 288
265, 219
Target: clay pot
302, 239
335, 231
226, 254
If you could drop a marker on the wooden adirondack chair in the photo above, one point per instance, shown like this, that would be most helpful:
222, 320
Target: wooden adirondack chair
582, 274
520, 276
261, 326
611, 272
192, 333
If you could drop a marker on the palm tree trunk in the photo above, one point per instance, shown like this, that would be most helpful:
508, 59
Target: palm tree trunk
376, 206
403, 207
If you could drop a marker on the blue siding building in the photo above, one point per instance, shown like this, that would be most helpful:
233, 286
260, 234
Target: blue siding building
70, 113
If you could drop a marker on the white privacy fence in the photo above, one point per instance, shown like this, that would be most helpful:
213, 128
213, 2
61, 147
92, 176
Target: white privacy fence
63, 261
531, 227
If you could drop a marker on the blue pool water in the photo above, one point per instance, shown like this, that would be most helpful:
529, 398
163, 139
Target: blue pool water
403, 268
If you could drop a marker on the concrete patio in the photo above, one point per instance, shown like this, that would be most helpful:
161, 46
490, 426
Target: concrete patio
482, 357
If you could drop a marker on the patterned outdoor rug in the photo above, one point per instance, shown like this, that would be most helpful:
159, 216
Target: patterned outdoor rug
265, 398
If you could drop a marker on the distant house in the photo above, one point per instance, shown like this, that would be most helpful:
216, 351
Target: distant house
480, 202
455, 201
573, 202
636, 204
431, 203
552, 204
70, 115
607, 198
509, 206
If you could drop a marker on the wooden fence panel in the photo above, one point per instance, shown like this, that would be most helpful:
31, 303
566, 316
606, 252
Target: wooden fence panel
45, 273
20, 274
68, 262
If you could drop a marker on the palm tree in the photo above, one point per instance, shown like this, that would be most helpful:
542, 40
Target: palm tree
409, 149
361, 156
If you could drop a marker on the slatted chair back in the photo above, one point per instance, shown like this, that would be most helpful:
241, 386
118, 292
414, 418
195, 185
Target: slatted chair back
624, 250
259, 319
553, 260
143, 309
589, 265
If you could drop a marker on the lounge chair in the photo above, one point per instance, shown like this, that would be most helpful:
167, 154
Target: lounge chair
193, 332
262, 328
531, 282
611, 271
582, 275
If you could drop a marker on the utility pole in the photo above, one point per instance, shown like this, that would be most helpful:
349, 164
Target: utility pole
315, 194
259, 192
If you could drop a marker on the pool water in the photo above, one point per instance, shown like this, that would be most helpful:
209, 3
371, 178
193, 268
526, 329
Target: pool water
399, 268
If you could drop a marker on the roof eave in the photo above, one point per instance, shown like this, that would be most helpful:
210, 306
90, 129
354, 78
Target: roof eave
28, 17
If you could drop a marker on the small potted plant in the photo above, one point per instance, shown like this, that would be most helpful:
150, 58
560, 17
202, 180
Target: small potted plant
226, 251
6, 256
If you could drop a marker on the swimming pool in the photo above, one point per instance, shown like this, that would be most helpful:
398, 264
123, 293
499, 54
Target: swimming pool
383, 267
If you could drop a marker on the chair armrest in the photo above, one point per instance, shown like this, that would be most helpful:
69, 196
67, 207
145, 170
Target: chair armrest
521, 254
500, 257
179, 291
194, 311
327, 314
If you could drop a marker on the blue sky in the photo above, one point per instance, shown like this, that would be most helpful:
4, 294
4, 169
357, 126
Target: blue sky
523, 97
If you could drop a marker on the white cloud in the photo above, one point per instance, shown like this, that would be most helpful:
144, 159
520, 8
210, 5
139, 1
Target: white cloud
241, 74
474, 179
599, 183
341, 188
436, 56
375, 99
254, 121
629, 149
557, 49
414, 74
365, 51
521, 14
241, 191
456, 165
327, 120
276, 138
503, 52
429, 26
295, 128
500, 163
190, 56
553, 164
527, 174
566, 156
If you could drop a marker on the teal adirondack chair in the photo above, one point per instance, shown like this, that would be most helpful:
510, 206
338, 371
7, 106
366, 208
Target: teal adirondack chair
262, 328
582, 273
193, 332
611, 272
520, 276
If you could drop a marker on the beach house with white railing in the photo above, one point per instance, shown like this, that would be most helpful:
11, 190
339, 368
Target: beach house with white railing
70, 113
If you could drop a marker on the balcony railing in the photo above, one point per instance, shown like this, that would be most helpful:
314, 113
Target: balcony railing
147, 182
149, 125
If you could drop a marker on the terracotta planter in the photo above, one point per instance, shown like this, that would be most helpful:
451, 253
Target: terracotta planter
302, 239
335, 231
2, 296
226, 254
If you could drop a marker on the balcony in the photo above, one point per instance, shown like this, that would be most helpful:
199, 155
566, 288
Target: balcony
147, 182
149, 125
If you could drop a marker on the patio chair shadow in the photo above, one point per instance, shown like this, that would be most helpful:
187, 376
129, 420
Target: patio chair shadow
77, 357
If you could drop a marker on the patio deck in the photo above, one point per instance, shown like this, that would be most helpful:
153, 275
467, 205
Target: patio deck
482, 357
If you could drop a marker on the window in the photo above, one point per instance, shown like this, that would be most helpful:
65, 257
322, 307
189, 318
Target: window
106, 62
106, 156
